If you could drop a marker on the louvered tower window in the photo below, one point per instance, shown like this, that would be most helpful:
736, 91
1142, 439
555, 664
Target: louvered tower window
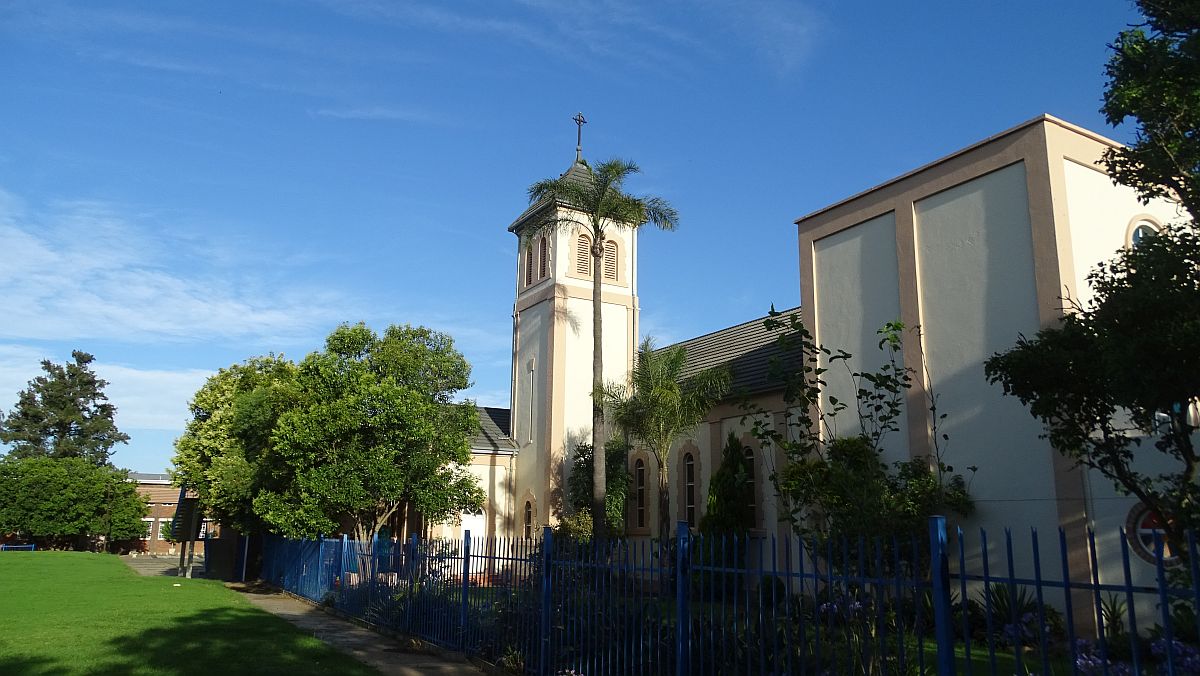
543, 257
610, 260
583, 256
528, 265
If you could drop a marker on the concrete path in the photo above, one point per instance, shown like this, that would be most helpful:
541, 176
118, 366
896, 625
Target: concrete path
390, 656
162, 565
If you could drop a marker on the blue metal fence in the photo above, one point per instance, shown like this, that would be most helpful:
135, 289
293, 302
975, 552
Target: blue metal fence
755, 605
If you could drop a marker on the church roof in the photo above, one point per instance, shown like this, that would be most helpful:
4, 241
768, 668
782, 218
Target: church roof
494, 430
747, 349
577, 172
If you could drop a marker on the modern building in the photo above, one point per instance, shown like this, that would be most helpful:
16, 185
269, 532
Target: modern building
163, 499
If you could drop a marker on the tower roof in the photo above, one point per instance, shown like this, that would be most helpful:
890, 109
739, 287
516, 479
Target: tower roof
578, 171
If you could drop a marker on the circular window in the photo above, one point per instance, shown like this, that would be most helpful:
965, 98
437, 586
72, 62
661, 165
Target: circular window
1140, 528
1141, 230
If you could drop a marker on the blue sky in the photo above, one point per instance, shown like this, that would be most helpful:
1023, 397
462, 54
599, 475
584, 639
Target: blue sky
184, 185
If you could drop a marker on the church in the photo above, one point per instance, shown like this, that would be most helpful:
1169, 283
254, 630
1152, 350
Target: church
975, 248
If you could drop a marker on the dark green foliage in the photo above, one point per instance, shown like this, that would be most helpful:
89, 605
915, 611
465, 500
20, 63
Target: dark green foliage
68, 501
63, 414
579, 484
1115, 379
730, 493
840, 487
1153, 78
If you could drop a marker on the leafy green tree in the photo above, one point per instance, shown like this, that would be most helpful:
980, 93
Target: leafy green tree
1115, 380
233, 419
595, 201
1153, 78
374, 433
69, 501
579, 483
658, 406
63, 414
730, 492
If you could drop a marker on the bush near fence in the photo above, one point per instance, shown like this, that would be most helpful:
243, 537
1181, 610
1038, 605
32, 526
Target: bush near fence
753, 605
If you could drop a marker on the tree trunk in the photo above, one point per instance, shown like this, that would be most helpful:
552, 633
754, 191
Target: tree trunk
664, 505
599, 516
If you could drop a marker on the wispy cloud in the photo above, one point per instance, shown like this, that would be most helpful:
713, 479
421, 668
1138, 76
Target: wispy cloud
145, 398
89, 270
150, 398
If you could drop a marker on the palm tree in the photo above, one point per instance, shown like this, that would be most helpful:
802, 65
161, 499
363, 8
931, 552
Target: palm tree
593, 200
659, 405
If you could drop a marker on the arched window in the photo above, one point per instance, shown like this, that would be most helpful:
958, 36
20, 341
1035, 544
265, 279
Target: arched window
610, 260
528, 265
689, 489
752, 487
583, 255
1141, 231
639, 487
543, 257
528, 519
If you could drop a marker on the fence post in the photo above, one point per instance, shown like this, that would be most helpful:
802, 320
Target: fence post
939, 580
466, 589
342, 570
320, 566
547, 588
683, 624
412, 572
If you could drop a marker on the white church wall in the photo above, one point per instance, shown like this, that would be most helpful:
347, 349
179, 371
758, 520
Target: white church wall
857, 292
1101, 218
976, 288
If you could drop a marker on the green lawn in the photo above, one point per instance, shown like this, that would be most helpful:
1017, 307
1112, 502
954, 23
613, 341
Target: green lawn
78, 613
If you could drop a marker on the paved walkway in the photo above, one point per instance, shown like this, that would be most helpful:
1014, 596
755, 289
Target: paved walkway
390, 656
162, 565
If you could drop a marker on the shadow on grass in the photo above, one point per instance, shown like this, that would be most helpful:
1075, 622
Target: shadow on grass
223, 641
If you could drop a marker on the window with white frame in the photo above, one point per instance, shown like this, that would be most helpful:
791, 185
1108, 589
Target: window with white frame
148, 524
164, 528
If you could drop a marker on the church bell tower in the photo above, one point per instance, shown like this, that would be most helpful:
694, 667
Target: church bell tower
552, 344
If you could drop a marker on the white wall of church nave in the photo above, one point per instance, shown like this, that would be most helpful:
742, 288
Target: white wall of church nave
493, 475
857, 292
1101, 217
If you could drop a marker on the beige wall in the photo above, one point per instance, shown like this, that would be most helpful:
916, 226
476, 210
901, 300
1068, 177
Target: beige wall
977, 295
857, 292
987, 241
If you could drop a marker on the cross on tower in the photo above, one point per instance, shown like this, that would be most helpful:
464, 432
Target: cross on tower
580, 120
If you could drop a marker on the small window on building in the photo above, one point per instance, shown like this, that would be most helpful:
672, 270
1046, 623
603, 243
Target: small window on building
689, 489
610, 260
583, 256
639, 482
543, 257
1141, 232
164, 528
149, 526
528, 265
528, 519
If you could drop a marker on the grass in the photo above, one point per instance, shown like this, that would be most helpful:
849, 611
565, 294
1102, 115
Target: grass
65, 613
